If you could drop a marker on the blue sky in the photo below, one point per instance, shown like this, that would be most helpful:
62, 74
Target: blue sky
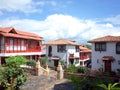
79, 20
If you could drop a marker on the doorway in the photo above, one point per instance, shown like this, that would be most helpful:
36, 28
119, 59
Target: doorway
71, 61
107, 66
50, 51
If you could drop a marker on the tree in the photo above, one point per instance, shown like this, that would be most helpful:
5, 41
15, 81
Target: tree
89, 46
12, 76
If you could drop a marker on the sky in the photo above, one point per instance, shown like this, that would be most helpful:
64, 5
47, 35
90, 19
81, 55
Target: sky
79, 20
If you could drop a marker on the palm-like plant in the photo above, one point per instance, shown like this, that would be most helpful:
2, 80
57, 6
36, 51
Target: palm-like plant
110, 86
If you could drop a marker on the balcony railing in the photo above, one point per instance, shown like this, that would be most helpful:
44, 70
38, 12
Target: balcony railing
84, 57
19, 49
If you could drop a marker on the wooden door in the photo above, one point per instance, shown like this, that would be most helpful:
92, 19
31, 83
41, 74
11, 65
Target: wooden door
107, 66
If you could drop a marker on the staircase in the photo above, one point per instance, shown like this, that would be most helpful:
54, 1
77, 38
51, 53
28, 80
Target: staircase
50, 82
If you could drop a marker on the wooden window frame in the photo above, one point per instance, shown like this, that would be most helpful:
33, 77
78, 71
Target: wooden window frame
61, 48
100, 46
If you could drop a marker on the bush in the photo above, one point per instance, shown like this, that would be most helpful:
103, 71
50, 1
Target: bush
15, 61
82, 70
71, 69
31, 63
87, 82
74, 69
43, 61
12, 76
62, 62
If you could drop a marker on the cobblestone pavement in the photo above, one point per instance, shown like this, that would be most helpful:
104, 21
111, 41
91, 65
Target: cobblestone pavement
46, 83
37, 83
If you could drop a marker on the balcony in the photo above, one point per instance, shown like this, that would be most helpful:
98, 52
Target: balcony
34, 49
84, 57
73, 56
19, 49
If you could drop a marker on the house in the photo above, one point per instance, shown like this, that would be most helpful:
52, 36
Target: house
15, 42
63, 50
43, 50
106, 53
85, 55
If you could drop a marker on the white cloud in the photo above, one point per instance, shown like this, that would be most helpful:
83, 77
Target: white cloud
53, 3
115, 19
26, 6
1, 13
64, 26
31, 6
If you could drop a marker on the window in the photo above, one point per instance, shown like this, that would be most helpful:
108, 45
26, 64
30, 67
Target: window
22, 45
118, 48
77, 48
100, 46
61, 48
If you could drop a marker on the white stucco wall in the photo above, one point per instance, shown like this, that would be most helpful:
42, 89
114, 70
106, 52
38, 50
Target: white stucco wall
64, 55
97, 61
43, 50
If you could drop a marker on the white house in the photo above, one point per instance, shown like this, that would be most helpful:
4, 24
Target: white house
106, 53
62, 49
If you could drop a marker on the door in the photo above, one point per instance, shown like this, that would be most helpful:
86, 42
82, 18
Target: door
55, 63
107, 66
71, 61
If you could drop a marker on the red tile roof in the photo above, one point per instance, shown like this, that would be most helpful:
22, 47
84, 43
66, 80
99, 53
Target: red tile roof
61, 42
55, 58
108, 58
18, 34
6, 30
84, 49
106, 39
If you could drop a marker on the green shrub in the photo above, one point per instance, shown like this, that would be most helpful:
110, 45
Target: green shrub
43, 61
71, 69
12, 76
82, 69
110, 86
31, 63
74, 69
62, 62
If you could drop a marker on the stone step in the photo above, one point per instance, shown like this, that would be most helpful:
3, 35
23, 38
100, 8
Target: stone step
37, 83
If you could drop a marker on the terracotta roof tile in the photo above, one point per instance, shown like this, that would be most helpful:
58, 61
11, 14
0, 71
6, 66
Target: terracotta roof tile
106, 39
84, 49
61, 41
27, 33
6, 30
18, 34
108, 58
